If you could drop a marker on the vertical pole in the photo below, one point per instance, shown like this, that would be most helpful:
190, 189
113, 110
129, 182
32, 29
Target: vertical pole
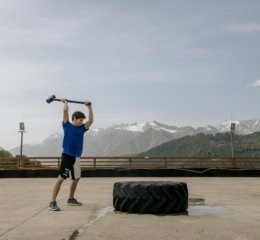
22, 130
232, 145
232, 129
21, 147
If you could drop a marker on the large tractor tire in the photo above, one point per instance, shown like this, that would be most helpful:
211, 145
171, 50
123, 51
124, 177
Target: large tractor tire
150, 197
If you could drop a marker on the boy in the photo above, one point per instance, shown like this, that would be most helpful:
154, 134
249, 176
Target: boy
72, 150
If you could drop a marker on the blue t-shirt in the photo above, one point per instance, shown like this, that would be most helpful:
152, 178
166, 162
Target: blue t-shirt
73, 139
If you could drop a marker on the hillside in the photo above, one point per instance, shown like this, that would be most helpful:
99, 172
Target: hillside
209, 145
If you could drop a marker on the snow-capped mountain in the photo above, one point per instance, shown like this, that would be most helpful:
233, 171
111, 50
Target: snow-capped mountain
142, 127
127, 139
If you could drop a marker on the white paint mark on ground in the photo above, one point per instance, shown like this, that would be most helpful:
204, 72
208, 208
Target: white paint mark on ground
100, 214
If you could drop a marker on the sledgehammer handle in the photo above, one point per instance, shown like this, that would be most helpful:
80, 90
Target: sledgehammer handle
72, 101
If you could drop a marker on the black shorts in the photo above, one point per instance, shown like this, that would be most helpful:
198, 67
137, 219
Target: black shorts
70, 167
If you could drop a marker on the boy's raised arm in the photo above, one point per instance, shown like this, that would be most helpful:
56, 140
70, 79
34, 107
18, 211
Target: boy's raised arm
90, 115
65, 111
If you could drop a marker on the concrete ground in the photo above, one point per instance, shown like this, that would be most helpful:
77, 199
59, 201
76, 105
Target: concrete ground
231, 211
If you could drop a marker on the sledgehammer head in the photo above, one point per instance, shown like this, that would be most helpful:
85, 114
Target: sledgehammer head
50, 99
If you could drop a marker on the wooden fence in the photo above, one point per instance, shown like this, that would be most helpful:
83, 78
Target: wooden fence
135, 162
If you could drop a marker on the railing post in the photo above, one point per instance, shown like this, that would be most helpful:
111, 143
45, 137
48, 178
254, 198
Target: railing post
21, 162
17, 162
94, 163
233, 162
200, 162
165, 163
130, 163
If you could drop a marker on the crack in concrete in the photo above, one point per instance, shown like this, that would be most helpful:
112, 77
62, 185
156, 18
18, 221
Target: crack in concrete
20, 223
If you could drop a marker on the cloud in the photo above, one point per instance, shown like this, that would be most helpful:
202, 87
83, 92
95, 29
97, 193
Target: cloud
255, 84
244, 27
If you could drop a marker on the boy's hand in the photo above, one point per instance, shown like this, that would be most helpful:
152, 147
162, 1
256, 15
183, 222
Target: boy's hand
90, 113
65, 110
87, 103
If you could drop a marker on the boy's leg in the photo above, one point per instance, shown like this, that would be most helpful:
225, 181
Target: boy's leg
72, 201
75, 175
65, 168
56, 188
73, 187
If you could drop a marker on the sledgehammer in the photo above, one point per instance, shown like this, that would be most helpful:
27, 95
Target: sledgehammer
53, 98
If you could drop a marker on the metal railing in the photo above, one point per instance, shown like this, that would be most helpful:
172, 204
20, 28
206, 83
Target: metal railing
131, 162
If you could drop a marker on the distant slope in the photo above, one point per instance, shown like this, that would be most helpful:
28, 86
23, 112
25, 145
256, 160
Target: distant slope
209, 145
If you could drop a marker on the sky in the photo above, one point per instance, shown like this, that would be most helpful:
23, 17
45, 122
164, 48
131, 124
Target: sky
179, 62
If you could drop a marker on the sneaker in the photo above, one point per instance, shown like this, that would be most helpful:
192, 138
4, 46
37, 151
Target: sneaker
53, 206
73, 202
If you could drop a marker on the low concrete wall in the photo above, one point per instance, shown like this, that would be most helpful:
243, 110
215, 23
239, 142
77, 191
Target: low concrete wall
136, 173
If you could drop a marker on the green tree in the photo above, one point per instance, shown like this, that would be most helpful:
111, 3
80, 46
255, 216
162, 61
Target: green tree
4, 153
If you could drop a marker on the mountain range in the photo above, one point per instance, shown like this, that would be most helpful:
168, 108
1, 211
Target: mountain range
131, 139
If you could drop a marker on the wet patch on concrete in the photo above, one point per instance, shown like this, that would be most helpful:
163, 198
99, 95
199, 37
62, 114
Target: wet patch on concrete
197, 207
207, 210
74, 235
